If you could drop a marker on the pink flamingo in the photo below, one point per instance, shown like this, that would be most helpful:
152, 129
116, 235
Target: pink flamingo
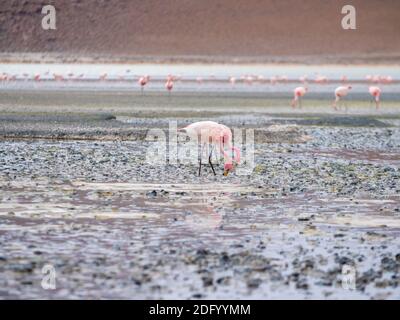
169, 85
260, 78
340, 92
143, 81
386, 79
218, 136
376, 78
299, 92
103, 77
375, 92
321, 79
36, 77
344, 79
249, 80
58, 77
303, 79
232, 80
284, 78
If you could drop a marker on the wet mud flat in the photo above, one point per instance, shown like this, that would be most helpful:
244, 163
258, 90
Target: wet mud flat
114, 225
77, 193
114, 115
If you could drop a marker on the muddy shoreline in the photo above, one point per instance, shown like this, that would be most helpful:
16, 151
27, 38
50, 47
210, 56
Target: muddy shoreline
324, 193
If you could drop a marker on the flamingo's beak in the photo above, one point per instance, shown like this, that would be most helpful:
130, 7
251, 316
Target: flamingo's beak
227, 168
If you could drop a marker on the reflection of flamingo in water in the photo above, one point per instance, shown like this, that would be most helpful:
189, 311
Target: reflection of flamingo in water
217, 135
203, 214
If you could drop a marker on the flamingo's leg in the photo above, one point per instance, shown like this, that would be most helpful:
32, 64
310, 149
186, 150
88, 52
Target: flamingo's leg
300, 106
209, 161
334, 104
200, 155
199, 167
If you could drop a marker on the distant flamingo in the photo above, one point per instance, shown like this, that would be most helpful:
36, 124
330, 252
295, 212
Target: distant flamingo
299, 92
36, 77
375, 92
232, 80
386, 79
249, 80
103, 77
321, 79
303, 79
169, 85
284, 79
389, 79
143, 81
58, 77
340, 92
344, 79
215, 135
260, 78
376, 78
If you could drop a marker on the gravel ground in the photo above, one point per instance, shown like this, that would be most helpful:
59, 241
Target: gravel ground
113, 225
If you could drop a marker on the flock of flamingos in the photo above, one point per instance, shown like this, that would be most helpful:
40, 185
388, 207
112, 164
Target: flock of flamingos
298, 93
213, 136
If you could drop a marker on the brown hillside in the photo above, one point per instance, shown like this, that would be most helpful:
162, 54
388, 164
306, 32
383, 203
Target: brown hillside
218, 28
